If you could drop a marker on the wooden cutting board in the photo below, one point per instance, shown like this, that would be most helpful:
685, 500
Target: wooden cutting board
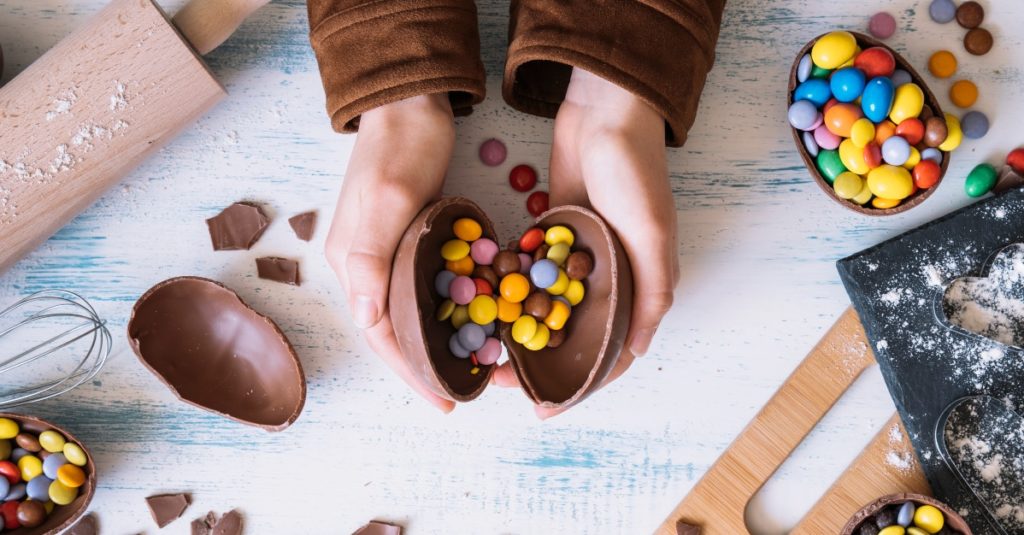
718, 501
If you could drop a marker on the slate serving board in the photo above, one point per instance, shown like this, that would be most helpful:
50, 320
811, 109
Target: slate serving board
896, 288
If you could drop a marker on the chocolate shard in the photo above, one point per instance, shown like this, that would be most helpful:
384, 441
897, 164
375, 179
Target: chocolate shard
237, 227
85, 526
685, 528
204, 524
304, 225
167, 508
379, 528
1008, 179
229, 524
278, 269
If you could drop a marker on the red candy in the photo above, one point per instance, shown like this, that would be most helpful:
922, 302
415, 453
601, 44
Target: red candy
1016, 160
10, 514
926, 174
831, 102
522, 178
873, 155
911, 130
875, 62
10, 471
531, 240
537, 203
483, 287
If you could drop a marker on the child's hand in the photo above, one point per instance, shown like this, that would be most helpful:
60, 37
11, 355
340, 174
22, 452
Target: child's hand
398, 165
609, 153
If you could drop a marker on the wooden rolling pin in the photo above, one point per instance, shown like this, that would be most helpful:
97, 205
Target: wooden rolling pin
97, 104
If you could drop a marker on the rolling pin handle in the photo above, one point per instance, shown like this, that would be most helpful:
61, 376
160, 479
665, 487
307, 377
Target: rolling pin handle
208, 23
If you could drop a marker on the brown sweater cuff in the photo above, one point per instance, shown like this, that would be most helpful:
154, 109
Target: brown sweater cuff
661, 50
373, 52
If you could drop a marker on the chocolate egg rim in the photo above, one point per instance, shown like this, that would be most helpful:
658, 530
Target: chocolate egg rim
872, 508
865, 42
86, 491
135, 344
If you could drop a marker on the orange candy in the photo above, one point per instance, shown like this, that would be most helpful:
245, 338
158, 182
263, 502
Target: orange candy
463, 266
911, 130
873, 155
926, 174
963, 93
942, 64
839, 119
884, 130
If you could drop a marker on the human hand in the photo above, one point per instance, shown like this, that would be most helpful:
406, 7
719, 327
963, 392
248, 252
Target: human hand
398, 165
608, 153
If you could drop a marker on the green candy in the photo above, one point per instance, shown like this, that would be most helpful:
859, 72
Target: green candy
818, 72
981, 180
830, 165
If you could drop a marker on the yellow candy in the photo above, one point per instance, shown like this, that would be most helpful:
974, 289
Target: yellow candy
913, 160
539, 340
853, 157
890, 182
862, 132
524, 329
914, 530
864, 196
954, 136
509, 312
559, 314
884, 204
5, 449
460, 316
929, 518
454, 250
561, 284
558, 253
49, 507
575, 292
849, 63
467, 229
71, 476
52, 441
514, 287
443, 313
30, 467
834, 49
75, 454
62, 494
559, 234
463, 266
907, 104
892, 530
848, 185
483, 309
8, 428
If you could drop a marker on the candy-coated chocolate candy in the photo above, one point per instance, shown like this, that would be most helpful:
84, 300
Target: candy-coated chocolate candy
456, 347
472, 336
876, 101
929, 518
31, 513
540, 338
444, 311
974, 124
970, 14
875, 62
53, 463
515, 287
9, 510
462, 290
893, 530
963, 93
508, 312
954, 135
557, 338
1015, 159
907, 103
485, 273
455, 250
10, 471
981, 180
862, 132
39, 488
574, 292
873, 155
840, 118
5, 449
831, 102
913, 159
61, 494
825, 139
482, 251
531, 240
543, 273
810, 144
460, 316
942, 11
803, 69
883, 131
932, 154
914, 530
900, 77
846, 84
492, 152
17, 492
524, 328
905, 516
884, 204
522, 178
848, 185
579, 265
541, 252
803, 114
538, 305
463, 266
935, 131
8, 428
834, 49
560, 285
467, 229
895, 151
830, 165
942, 64
849, 62
30, 467
443, 281
5, 487
489, 353
525, 262
882, 25
912, 130
559, 234
853, 158
489, 328
483, 287
558, 316
978, 41
505, 263
818, 72
537, 203
28, 442
890, 182
483, 309
558, 253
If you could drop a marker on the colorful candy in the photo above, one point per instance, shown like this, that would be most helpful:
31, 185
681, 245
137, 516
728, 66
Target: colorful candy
8, 428
929, 518
942, 11
803, 69
974, 124
1015, 159
846, 84
537, 203
875, 62
963, 93
882, 25
978, 41
942, 64
522, 178
907, 103
492, 152
981, 180
970, 14
890, 182
27, 482
803, 115
833, 50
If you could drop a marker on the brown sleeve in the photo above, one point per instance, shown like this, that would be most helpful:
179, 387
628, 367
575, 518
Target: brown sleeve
661, 50
372, 52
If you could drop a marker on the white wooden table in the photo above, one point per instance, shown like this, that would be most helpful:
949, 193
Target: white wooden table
759, 287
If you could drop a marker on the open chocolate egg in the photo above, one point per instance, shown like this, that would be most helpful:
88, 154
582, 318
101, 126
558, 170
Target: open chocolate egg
892, 502
217, 353
63, 515
553, 376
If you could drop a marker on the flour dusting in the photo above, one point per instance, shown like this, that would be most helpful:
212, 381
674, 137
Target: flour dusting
993, 305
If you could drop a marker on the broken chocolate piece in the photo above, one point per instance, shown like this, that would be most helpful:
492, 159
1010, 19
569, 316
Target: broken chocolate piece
237, 227
229, 524
85, 526
1008, 179
683, 528
379, 528
303, 224
167, 508
204, 524
278, 269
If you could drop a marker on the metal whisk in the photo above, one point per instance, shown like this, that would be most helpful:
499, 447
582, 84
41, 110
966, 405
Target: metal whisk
75, 345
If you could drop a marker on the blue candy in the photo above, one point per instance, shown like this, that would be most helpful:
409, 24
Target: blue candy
803, 115
17, 454
544, 273
815, 90
803, 69
896, 151
5, 486
17, 492
52, 463
876, 101
906, 515
811, 144
456, 348
974, 125
942, 11
472, 336
39, 488
847, 84
932, 154
443, 281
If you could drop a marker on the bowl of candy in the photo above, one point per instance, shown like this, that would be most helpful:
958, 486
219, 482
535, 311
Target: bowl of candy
866, 125
47, 477
906, 514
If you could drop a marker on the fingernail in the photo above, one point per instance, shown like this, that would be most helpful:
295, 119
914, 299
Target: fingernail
364, 311
641, 342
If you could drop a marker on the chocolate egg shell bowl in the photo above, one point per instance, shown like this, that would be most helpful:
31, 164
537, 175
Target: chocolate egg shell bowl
886, 512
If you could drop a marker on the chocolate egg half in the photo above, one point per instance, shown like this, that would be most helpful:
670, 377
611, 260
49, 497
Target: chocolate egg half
217, 353
62, 516
952, 519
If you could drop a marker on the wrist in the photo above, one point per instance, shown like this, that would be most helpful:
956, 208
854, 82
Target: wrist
424, 111
613, 103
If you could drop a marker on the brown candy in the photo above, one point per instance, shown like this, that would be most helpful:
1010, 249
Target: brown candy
579, 265
926, 113
538, 305
541, 252
31, 513
44, 454
505, 262
978, 41
557, 338
935, 131
970, 14
487, 274
28, 442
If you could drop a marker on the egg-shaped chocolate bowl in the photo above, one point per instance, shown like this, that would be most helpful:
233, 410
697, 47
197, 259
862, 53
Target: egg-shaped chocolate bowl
887, 508
215, 352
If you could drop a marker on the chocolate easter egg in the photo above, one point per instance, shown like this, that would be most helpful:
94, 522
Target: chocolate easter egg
867, 513
217, 353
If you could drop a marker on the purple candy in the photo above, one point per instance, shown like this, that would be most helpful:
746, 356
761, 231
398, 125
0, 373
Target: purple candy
896, 151
900, 77
489, 353
974, 125
471, 336
812, 146
462, 290
489, 329
17, 492
942, 11
525, 261
456, 348
443, 282
52, 463
826, 139
493, 152
803, 114
882, 25
39, 488
483, 251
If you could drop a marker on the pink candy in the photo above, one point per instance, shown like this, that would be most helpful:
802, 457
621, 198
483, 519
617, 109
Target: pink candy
493, 152
825, 139
489, 353
882, 25
525, 261
483, 251
462, 290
